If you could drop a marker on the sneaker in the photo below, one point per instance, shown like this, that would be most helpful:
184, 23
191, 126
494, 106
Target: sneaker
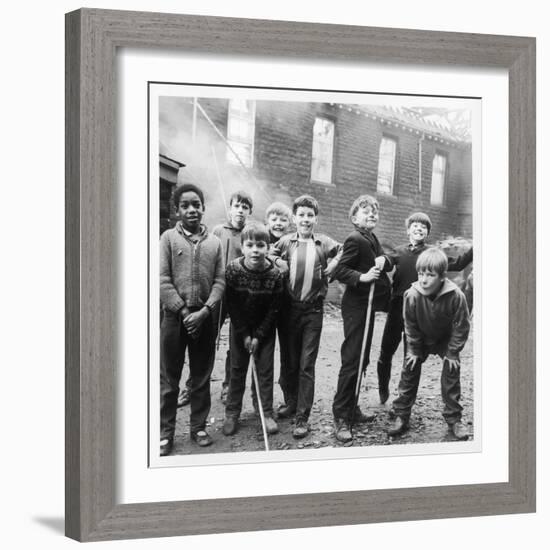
166, 446
342, 431
361, 418
459, 431
399, 426
223, 395
270, 425
230, 425
301, 429
201, 438
184, 397
286, 411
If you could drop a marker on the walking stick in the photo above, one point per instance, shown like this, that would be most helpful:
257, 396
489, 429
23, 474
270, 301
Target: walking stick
362, 370
262, 418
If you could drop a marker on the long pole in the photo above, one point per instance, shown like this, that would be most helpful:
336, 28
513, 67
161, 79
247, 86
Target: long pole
361, 370
262, 418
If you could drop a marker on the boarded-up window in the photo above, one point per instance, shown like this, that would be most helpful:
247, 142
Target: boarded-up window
386, 166
322, 150
439, 169
240, 130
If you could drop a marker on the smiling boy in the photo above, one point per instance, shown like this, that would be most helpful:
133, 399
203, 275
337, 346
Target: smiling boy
362, 264
310, 257
191, 285
437, 321
405, 257
253, 291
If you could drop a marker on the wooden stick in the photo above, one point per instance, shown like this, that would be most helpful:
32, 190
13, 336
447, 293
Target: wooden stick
255, 375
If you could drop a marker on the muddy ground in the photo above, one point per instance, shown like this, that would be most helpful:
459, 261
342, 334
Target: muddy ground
427, 424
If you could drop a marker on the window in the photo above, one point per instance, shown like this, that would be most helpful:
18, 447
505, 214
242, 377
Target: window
439, 168
321, 154
240, 130
386, 166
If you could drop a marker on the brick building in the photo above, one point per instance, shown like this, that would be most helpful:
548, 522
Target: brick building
332, 151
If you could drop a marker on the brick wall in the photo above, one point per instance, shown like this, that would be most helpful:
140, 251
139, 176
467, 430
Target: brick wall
282, 167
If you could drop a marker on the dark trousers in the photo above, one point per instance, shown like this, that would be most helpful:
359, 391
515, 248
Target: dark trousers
450, 392
354, 316
393, 332
240, 359
304, 322
174, 340
282, 334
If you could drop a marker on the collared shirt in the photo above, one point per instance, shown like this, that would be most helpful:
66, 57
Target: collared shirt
307, 260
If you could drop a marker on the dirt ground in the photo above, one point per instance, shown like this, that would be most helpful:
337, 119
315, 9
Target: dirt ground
426, 423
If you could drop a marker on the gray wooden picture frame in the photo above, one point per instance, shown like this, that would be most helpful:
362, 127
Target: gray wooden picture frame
92, 39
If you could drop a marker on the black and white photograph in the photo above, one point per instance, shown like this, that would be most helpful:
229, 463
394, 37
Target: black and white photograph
314, 285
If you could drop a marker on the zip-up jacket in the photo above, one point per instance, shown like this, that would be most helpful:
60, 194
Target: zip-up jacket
191, 274
437, 324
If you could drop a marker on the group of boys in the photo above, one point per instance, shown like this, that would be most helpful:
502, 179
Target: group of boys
272, 282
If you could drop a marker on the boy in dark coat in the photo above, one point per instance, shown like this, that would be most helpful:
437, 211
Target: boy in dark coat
362, 264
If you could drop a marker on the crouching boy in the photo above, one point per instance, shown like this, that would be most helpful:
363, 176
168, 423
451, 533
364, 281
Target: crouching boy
436, 322
253, 292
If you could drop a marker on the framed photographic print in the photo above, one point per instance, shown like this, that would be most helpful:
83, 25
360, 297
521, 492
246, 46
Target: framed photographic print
192, 128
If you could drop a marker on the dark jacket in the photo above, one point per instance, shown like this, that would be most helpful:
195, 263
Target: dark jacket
361, 248
439, 324
404, 259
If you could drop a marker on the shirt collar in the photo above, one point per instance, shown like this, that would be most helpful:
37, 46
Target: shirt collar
295, 238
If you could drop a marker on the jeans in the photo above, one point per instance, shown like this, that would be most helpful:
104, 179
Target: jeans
174, 340
304, 322
450, 392
240, 359
354, 316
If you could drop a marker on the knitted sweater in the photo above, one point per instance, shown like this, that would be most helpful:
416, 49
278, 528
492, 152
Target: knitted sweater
230, 238
191, 274
437, 324
253, 298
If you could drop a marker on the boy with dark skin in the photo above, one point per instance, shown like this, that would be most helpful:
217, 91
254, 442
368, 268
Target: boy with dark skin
191, 286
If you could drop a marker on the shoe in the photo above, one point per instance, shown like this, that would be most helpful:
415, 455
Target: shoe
399, 426
342, 431
459, 431
223, 395
270, 425
384, 394
201, 438
184, 397
286, 411
361, 418
300, 430
230, 425
166, 446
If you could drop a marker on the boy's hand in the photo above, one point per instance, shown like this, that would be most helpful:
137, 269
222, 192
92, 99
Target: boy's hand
371, 275
454, 364
282, 266
412, 361
193, 322
253, 346
380, 262
184, 312
331, 266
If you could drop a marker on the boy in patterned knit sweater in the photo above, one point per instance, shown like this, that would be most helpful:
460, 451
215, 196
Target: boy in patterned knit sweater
191, 286
254, 288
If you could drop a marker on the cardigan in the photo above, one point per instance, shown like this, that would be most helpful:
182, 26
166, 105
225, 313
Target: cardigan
191, 274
